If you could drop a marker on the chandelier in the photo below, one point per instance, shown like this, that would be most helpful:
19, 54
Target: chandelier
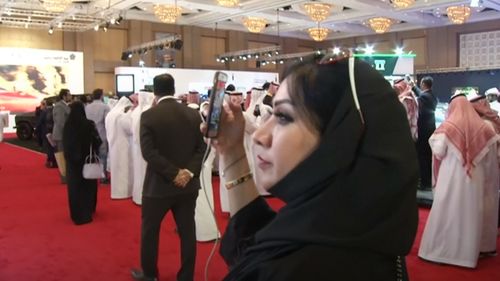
228, 3
56, 6
167, 13
255, 25
458, 14
380, 24
318, 33
401, 4
318, 11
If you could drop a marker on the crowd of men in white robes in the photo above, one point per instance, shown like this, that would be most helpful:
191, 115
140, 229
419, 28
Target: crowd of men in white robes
463, 222
127, 166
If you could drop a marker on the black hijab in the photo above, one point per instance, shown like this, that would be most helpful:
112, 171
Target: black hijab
358, 188
78, 133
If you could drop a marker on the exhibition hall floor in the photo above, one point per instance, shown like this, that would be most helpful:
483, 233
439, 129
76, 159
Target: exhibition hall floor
39, 242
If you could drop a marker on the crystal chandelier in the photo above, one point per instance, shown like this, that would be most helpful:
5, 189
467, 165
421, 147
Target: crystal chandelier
255, 25
167, 13
318, 33
380, 24
56, 6
228, 3
318, 11
401, 4
458, 14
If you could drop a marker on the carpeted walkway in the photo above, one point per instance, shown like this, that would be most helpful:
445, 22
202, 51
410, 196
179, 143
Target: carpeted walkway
29, 144
39, 242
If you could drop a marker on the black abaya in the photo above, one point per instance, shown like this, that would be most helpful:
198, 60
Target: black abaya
79, 134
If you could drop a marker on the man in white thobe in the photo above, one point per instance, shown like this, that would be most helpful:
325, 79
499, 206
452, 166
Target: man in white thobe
492, 95
145, 102
463, 220
119, 150
4, 122
206, 226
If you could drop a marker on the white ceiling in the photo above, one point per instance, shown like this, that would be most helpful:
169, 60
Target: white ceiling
346, 21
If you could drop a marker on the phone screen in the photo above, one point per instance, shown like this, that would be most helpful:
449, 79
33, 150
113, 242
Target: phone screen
216, 101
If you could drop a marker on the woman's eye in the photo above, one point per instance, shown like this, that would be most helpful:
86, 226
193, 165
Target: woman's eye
283, 118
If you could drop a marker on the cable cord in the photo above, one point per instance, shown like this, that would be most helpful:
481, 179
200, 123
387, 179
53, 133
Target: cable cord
212, 210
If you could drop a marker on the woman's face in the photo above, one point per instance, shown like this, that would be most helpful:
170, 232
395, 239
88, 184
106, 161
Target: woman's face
282, 141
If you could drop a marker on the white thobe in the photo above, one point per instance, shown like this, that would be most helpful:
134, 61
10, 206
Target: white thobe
4, 122
145, 102
206, 228
463, 219
112, 102
119, 150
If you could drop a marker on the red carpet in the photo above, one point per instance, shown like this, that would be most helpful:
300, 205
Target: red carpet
39, 242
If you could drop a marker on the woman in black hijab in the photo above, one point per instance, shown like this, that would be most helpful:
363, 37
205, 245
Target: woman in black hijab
79, 133
342, 159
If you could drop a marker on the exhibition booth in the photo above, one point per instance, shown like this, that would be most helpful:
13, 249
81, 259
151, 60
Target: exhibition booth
133, 79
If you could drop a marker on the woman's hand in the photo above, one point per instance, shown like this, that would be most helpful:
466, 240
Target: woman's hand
231, 129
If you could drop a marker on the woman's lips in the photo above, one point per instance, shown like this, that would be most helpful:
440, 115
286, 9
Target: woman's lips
263, 164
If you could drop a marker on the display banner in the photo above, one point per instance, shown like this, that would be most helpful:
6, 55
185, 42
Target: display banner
29, 75
390, 64
199, 80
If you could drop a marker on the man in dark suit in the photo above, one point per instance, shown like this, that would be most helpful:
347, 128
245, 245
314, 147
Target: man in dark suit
426, 124
173, 147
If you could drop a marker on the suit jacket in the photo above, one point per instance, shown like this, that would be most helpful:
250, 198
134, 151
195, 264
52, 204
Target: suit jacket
427, 103
60, 113
170, 140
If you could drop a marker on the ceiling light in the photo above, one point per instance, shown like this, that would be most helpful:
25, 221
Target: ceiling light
401, 4
458, 14
96, 27
51, 30
369, 50
380, 24
318, 11
167, 13
60, 24
228, 3
318, 33
56, 6
255, 25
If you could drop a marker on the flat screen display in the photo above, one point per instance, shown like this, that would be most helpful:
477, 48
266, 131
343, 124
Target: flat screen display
125, 84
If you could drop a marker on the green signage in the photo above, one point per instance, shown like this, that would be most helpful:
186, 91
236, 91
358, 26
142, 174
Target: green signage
389, 64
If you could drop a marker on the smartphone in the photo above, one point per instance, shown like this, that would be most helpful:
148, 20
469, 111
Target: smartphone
215, 106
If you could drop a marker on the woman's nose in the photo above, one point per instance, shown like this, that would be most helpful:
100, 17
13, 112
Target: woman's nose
263, 135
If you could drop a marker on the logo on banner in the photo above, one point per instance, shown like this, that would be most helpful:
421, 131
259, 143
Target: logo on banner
379, 65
